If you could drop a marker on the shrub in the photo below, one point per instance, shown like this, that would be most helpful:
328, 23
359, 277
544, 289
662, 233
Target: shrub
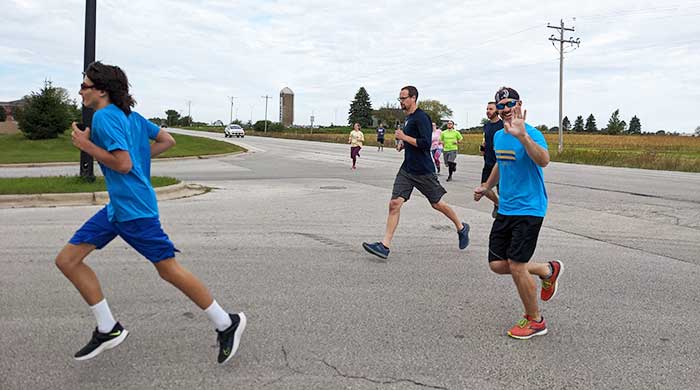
271, 126
46, 114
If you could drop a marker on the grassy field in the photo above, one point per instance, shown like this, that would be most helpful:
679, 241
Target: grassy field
63, 184
672, 153
15, 148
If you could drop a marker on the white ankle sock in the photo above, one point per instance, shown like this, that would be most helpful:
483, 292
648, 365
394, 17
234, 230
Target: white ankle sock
105, 320
218, 316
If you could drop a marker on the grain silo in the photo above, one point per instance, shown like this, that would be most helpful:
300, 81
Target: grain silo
286, 107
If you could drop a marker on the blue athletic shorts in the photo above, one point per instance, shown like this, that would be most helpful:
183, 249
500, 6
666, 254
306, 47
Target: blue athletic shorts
144, 234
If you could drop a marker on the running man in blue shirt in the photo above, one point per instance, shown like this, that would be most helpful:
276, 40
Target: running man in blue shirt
521, 153
120, 141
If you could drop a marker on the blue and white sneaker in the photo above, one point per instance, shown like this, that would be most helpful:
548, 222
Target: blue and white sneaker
376, 248
463, 236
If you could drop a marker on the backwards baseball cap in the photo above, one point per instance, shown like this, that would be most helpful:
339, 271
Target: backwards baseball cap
506, 93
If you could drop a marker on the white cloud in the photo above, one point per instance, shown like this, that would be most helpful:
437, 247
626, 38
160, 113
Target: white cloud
634, 55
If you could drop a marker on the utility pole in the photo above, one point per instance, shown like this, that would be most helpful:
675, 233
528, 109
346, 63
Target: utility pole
231, 120
562, 41
87, 172
189, 112
266, 99
312, 121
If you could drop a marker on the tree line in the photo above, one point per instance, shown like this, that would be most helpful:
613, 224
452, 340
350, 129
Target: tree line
49, 112
615, 125
391, 114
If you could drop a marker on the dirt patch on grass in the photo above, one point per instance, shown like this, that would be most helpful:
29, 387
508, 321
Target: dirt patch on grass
8, 127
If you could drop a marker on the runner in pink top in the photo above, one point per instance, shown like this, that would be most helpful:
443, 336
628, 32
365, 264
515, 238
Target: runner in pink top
436, 147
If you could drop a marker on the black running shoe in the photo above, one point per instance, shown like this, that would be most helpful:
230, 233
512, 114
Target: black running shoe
376, 248
102, 342
230, 338
463, 236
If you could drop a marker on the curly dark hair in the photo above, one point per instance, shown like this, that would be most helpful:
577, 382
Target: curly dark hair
112, 79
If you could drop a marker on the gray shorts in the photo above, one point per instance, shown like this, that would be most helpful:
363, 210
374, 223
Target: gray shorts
428, 185
450, 156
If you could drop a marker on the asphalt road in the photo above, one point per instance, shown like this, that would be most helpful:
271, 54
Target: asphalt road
279, 238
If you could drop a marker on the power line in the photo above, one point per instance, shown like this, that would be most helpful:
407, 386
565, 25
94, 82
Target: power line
562, 41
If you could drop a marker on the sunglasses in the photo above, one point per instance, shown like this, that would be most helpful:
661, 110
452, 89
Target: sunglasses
402, 98
84, 86
510, 104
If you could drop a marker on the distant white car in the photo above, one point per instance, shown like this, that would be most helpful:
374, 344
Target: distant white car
233, 130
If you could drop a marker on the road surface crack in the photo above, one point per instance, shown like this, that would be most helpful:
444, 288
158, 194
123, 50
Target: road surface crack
389, 381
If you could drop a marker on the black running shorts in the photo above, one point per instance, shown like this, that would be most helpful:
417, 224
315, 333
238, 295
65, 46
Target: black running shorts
428, 185
514, 237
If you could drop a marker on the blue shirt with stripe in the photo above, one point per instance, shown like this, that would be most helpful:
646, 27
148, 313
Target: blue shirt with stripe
521, 183
131, 195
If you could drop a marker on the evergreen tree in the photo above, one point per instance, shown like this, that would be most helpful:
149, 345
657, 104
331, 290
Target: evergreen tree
172, 118
578, 124
591, 126
615, 125
566, 124
46, 114
360, 109
635, 126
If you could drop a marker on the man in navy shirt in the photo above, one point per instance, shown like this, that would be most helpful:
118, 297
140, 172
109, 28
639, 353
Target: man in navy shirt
380, 137
490, 128
521, 153
417, 171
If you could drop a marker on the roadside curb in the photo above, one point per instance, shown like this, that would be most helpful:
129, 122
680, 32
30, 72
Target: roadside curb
175, 191
155, 160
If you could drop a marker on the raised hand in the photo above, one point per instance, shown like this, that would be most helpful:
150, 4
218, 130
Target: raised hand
515, 124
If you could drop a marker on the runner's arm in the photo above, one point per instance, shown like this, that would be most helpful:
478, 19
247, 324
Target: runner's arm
117, 160
537, 153
491, 182
163, 142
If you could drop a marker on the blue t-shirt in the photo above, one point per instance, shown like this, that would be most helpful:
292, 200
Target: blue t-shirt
417, 160
380, 132
521, 182
490, 129
131, 195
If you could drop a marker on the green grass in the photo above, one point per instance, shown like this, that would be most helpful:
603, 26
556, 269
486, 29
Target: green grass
199, 146
16, 149
64, 184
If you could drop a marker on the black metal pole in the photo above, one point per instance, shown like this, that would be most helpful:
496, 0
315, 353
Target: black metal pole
86, 163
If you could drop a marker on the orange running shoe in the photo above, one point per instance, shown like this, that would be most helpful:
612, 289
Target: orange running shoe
527, 328
549, 286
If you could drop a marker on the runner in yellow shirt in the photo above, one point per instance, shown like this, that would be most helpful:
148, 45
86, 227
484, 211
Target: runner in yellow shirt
355, 140
451, 138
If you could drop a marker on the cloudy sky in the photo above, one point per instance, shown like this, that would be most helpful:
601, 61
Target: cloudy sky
636, 55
